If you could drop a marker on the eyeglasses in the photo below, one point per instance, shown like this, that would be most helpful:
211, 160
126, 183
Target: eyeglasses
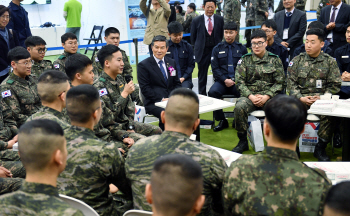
259, 44
5, 17
42, 50
27, 63
72, 43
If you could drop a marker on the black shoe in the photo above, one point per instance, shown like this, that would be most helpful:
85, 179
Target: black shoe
320, 151
233, 124
241, 146
222, 125
337, 141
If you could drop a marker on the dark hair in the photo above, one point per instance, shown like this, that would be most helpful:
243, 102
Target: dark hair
160, 38
3, 9
270, 24
185, 92
68, 36
192, 6
76, 64
81, 102
106, 53
347, 26
33, 41
258, 34
179, 8
315, 31
111, 30
287, 116
53, 77
338, 198
18, 53
46, 126
230, 26
206, 1
175, 27
316, 24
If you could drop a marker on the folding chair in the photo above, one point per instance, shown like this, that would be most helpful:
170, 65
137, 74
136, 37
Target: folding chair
78, 204
137, 213
95, 39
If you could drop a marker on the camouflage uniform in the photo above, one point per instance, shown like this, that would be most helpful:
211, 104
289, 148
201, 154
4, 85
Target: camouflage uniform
263, 76
126, 71
93, 164
36, 199
8, 126
39, 67
9, 185
249, 19
123, 109
260, 7
303, 73
299, 4
52, 114
232, 13
21, 95
274, 183
60, 63
179, 18
187, 23
139, 164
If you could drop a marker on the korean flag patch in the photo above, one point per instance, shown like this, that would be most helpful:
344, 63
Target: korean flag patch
239, 62
96, 59
57, 66
6, 93
290, 64
321, 4
103, 92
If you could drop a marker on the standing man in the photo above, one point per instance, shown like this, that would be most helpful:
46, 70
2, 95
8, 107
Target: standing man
206, 32
189, 16
224, 62
259, 78
70, 45
261, 9
291, 26
335, 18
19, 21
179, 16
232, 13
182, 53
72, 14
299, 4
249, 20
312, 74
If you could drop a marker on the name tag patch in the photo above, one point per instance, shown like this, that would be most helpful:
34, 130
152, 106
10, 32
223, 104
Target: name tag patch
345, 57
222, 52
103, 92
6, 93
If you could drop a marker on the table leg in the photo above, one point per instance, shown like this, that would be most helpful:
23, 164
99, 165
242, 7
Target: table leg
346, 140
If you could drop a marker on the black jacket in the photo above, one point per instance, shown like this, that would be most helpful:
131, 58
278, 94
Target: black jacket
4, 63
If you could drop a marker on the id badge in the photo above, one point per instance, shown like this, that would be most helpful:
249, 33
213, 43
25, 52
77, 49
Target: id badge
318, 83
285, 34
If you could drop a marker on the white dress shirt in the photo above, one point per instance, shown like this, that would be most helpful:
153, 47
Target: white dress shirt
164, 66
206, 21
330, 35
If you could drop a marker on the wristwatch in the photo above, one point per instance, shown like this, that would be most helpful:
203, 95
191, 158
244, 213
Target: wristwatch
131, 127
125, 136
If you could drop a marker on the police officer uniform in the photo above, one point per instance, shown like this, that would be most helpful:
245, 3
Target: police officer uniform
342, 56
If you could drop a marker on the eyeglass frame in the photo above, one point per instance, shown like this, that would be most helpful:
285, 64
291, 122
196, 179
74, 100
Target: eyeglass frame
259, 44
5, 17
26, 63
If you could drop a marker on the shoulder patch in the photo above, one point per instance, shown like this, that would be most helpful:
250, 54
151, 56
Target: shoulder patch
248, 54
290, 64
239, 62
96, 59
10, 81
6, 93
61, 57
102, 79
57, 66
103, 92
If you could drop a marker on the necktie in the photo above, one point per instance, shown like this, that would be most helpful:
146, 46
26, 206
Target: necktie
289, 14
231, 70
333, 15
210, 26
176, 58
163, 71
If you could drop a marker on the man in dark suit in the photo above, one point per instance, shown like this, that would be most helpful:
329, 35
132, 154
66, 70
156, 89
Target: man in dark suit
157, 77
206, 32
291, 26
335, 18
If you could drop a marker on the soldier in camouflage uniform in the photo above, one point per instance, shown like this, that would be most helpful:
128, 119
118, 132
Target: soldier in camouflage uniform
9, 185
232, 13
179, 16
181, 114
92, 164
36, 47
312, 74
70, 45
19, 89
115, 92
112, 36
299, 4
44, 162
259, 77
275, 182
189, 16
249, 19
261, 9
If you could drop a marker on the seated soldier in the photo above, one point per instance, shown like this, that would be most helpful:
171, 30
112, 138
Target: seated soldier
169, 174
337, 200
259, 77
70, 45
43, 152
115, 92
52, 89
19, 90
180, 119
37, 49
275, 182
312, 74
92, 164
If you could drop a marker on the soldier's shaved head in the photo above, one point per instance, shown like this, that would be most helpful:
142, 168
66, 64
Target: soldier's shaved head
51, 84
182, 109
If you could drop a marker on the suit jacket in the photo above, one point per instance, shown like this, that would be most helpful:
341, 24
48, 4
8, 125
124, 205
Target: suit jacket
297, 28
152, 83
4, 62
198, 34
343, 18
19, 22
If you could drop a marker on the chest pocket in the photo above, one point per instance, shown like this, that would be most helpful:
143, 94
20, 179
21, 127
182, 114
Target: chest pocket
222, 57
183, 54
26, 98
302, 77
267, 75
345, 64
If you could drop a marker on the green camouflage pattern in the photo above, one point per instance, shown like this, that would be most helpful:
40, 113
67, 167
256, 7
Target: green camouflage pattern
39, 67
187, 23
250, 12
36, 199
9, 155
8, 126
260, 7
93, 164
24, 100
232, 13
9, 185
16, 167
274, 183
179, 18
52, 114
139, 165
59, 64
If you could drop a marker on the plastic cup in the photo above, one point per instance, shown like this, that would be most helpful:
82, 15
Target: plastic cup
335, 97
323, 97
328, 96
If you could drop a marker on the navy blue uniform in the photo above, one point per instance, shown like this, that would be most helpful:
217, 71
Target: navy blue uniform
185, 62
219, 65
281, 51
301, 49
342, 56
19, 22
